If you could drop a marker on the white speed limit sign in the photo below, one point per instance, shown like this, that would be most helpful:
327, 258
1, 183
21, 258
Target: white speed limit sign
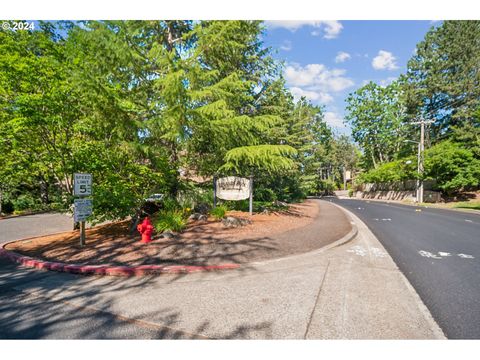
82, 184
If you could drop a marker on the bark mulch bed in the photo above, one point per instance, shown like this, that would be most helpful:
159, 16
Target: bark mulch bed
201, 243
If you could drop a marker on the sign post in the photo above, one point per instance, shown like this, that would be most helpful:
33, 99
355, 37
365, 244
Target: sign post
82, 186
214, 192
250, 207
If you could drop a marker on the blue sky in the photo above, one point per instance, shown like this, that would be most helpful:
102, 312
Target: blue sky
326, 60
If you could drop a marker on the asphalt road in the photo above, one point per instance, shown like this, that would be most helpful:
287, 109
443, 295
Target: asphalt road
21, 227
341, 293
438, 251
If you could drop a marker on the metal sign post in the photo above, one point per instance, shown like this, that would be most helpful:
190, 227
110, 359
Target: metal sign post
82, 234
82, 186
214, 192
250, 207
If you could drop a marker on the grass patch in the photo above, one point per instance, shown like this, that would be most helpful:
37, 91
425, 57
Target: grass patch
219, 212
169, 220
474, 205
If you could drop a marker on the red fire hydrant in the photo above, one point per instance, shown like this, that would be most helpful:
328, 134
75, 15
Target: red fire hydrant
146, 229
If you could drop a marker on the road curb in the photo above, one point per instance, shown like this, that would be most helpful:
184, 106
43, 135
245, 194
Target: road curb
140, 270
343, 240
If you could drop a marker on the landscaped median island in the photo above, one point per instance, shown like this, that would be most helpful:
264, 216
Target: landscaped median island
204, 244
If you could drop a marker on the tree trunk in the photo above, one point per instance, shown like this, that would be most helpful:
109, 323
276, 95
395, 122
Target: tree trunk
373, 160
44, 191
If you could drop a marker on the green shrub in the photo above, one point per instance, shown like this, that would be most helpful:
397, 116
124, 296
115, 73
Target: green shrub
24, 202
219, 212
454, 167
169, 220
326, 186
264, 194
350, 193
170, 204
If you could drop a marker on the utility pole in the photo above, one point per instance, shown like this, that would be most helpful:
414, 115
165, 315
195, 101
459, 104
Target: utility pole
421, 148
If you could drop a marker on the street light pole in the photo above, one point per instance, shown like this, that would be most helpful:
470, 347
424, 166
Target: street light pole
418, 172
421, 149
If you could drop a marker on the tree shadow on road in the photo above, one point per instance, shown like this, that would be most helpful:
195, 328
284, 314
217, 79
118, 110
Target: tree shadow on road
46, 305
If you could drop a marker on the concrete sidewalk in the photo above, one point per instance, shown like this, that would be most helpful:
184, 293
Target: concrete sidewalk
353, 291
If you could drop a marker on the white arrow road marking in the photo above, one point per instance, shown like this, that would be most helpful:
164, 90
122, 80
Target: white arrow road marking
444, 254
428, 254
466, 256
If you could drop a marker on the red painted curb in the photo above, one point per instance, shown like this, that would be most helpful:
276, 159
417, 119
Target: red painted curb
110, 270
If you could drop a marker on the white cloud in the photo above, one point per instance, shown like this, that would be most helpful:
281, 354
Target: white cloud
314, 96
330, 28
334, 120
342, 56
317, 77
384, 61
286, 46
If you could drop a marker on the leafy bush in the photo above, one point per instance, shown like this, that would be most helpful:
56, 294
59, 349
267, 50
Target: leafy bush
24, 202
170, 204
350, 193
326, 186
454, 167
219, 212
170, 220
404, 169
264, 194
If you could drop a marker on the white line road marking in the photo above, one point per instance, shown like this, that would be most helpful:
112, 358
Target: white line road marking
388, 219
467, 220
375, 219
466, 256
428, 254
444, 254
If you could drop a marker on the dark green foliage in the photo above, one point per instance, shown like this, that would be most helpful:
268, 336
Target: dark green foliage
443, 77
453, 166
140, 103
378, 120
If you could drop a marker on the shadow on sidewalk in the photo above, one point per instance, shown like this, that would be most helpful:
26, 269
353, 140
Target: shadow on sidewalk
37, 305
